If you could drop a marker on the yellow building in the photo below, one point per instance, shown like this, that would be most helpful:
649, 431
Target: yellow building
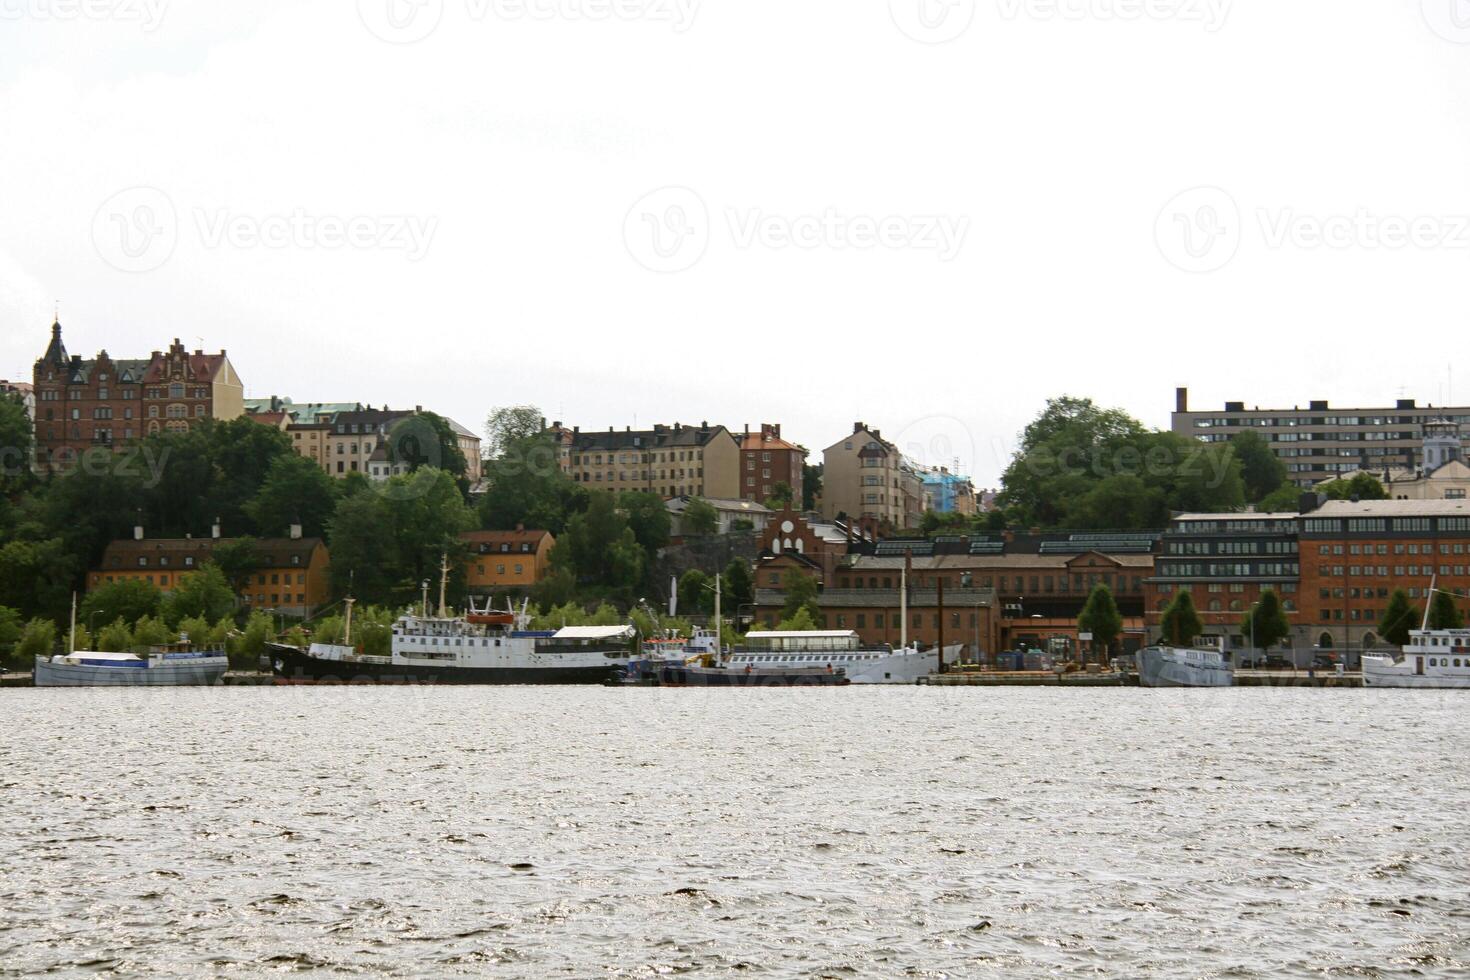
507, 560
867, 478
669, 460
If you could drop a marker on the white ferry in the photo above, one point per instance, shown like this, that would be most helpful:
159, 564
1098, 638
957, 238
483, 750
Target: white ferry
1184, 667
1431, 659
839, 649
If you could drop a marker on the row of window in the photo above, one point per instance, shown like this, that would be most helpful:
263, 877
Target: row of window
1229, 547
1400, 525
1414, 548
1381, 571
1185, 569
680, 456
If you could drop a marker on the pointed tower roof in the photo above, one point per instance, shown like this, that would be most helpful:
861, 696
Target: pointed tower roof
56, 350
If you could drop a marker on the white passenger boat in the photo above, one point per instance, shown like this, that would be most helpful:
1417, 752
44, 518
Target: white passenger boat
1184, 667
1431, 659
840, 649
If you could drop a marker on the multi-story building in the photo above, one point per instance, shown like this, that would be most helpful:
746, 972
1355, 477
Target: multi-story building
1319, 442
866, 477
24, 391
669, 460
1443, 475
1000, 591
1355, 554
355, 435
343, 437
507, 561
730, 515
1225, 562
291, 576
767, 461
102, 402
948, 493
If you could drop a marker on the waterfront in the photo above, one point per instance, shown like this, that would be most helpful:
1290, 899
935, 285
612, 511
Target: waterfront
861, 832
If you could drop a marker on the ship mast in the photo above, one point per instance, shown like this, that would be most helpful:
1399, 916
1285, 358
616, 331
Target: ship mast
443, 586
719, 647
72, 642
347, 630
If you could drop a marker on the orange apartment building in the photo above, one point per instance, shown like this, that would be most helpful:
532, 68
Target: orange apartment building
291, 577
503, 561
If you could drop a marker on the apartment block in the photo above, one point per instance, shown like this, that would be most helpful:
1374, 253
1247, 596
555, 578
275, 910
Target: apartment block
767, 461
670, 460
865, 477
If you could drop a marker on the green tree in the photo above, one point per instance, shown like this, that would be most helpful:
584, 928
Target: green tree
128, 599
700, 517
1266, 624
15, 445
425, 439
388, 539
557, 588
1262, 470
245, 651
801, 593
1443, 614
1400, 617
38, 639
811, 485
1285, 499
1117, 502
782, 497
1360, 486
1180, 623
296, 490
1101, 618
510, 426
205, 592
115, 637
738, 586
696, 593
649, 518
799, 622
241, 453
601, 550
236, 559
11, 627
38, 577
527, 488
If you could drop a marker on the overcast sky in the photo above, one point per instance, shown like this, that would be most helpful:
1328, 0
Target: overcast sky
929, 215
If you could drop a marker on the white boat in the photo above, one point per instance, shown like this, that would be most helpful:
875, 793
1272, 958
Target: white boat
1431, 659
841, 649
176, 665
1184, 667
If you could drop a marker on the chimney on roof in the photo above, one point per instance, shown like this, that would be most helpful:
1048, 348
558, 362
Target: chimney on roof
417, 409
520, 527
296, 529
137, 532
857, 427
214, 529
1181, 399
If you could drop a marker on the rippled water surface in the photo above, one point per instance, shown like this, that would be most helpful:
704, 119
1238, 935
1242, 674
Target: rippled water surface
859, 832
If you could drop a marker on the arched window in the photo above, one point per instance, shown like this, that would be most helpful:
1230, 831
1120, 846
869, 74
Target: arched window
1325, 641
1369, 640
1215, 605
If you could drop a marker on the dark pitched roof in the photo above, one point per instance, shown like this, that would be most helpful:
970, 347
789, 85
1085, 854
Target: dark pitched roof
273, 552
659, 437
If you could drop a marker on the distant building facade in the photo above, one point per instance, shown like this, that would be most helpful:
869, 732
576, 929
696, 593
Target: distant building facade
1319, 442
1444, 474
729, 514
949, 493
23, 390
866, 477
767, 461
507, 561
669, 460
100, 402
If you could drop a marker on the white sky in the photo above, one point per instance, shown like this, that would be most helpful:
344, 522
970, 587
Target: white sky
1051, 136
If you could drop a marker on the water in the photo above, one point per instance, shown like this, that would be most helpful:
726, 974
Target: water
860, 832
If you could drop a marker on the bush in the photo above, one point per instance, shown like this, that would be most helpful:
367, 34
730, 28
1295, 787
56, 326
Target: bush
38, 639
115, 637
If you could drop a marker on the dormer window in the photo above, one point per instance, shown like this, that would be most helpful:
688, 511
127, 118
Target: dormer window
142, 561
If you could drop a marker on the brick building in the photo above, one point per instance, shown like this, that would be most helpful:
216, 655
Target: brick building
1355, 554
766, 461
100, 402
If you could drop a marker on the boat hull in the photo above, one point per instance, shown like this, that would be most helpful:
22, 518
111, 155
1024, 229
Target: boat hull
292, 666
671, 675
1157, 668
900, 668
1385, 672
48, 674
